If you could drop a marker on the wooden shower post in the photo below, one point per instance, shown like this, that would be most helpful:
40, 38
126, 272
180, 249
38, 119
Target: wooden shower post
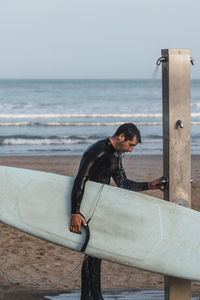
176, 144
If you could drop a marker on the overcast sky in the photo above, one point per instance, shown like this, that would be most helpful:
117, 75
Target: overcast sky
94, 38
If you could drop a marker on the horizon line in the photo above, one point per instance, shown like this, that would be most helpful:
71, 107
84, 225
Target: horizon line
83, 78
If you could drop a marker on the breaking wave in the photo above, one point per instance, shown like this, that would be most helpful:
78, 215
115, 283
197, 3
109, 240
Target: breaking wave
66, 124
69, 116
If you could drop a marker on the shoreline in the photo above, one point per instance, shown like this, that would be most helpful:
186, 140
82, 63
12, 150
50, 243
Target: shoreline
27, 258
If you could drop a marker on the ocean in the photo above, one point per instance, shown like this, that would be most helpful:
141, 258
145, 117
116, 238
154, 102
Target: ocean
63, 117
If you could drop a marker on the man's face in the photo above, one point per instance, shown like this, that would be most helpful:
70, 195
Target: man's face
126, 146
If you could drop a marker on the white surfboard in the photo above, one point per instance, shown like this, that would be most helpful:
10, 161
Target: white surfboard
125, 227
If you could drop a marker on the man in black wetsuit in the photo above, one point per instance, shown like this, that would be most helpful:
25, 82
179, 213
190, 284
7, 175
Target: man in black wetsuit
99, 163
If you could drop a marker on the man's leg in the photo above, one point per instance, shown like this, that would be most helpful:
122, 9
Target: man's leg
91, 279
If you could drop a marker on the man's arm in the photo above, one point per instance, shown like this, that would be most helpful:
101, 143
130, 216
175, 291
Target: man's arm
122, 181
85, 169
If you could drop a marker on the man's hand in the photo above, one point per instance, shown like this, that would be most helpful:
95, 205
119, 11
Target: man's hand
156, 184
76, 221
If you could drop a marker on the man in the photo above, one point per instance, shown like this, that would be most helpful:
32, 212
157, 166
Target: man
99, 163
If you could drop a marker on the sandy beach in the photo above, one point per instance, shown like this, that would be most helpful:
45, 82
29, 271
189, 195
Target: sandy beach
31, 260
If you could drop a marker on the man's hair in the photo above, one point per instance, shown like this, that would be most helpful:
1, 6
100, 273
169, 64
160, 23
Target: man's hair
129, 130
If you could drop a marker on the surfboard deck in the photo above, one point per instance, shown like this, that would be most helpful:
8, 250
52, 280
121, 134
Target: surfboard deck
126, 227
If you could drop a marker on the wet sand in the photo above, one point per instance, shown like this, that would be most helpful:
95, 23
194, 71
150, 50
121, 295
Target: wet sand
119, 295
35, 261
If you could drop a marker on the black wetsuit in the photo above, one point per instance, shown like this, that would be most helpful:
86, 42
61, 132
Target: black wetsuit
99, 163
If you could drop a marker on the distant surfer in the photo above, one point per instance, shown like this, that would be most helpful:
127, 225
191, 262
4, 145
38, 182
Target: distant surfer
99, 163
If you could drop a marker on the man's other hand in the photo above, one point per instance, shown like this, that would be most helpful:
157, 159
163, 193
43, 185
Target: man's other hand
76, 221
156, 184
